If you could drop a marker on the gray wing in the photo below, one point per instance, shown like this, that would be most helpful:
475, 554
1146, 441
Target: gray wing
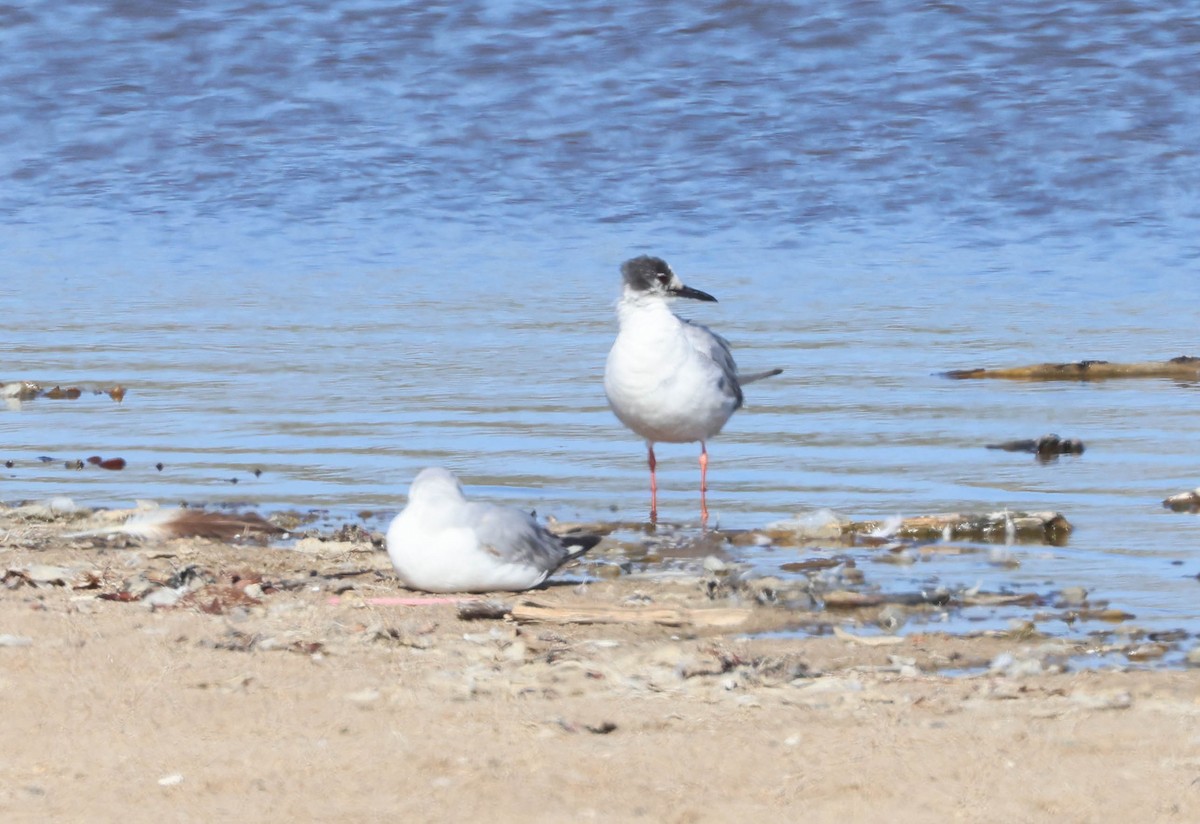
514, 536
717, 349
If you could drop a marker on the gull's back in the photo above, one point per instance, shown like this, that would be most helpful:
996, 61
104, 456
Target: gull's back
515, 537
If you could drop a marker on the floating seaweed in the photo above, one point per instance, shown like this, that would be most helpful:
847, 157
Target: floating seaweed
1047, 447
17, 391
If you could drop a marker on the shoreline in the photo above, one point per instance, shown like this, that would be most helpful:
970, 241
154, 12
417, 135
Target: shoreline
853, 585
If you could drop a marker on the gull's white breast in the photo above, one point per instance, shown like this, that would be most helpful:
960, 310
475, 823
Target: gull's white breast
659, 384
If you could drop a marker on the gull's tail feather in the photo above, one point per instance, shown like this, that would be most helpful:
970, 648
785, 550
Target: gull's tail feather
165, 524
758, 376
577, 545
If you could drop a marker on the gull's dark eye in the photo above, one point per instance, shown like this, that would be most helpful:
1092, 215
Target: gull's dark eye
664, 278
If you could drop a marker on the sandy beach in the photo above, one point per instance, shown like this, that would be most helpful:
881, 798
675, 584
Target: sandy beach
196, 680
283, 257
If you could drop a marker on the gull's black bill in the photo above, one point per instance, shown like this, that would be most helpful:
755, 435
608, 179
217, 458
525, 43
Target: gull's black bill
694, 294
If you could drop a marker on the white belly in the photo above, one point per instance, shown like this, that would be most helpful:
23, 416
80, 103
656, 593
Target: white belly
671, 396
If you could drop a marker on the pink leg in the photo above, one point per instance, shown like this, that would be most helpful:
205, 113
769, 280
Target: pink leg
703, 483
653, 484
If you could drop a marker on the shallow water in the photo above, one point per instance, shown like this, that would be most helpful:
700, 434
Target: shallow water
340, 242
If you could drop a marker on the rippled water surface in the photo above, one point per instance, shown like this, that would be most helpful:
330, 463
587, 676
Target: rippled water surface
339, 242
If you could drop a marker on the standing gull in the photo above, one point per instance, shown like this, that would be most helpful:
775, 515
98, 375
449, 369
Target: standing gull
442, 542
668, 379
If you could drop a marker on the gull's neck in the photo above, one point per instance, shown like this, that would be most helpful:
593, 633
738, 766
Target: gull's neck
436, 499
433, 513
634, 304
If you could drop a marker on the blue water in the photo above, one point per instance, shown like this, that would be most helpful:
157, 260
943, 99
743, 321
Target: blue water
340, 242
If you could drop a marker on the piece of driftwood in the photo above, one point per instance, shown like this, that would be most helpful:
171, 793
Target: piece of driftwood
1045, 446
849, 599
993, 527
534, 612
999, 599
869, 640
1183, 367
1114, 616
478, 610
1184, 501
1034, 527
813, 564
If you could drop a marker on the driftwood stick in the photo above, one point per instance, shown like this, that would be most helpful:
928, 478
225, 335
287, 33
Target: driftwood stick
990, 527
1183, 367
534, 612
1048, 527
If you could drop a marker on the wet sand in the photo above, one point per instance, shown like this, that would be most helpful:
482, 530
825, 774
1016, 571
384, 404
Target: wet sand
203, 680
